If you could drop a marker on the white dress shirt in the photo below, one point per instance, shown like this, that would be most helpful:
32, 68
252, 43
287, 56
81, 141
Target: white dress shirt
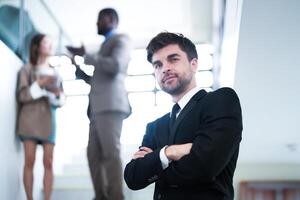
182, 103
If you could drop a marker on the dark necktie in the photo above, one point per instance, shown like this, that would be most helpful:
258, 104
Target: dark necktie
175, 110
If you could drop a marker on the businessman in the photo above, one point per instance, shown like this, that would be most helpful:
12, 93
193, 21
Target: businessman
190, 153
108, 105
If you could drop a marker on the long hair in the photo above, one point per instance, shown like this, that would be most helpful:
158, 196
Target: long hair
34, 48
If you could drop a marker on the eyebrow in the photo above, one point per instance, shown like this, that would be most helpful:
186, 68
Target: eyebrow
173, 55
168, 57
156, 62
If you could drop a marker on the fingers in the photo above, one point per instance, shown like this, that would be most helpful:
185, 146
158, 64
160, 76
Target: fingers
176, 152
139, 154
43, 80
187, 148
171, 152
55, 91
142, 152
146, 149
49, 81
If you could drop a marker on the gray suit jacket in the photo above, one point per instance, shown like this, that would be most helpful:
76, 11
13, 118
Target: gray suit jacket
108, 92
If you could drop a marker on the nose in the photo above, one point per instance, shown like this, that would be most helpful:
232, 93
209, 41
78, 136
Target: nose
166, 67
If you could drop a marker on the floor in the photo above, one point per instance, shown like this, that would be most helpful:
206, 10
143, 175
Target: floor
72, 180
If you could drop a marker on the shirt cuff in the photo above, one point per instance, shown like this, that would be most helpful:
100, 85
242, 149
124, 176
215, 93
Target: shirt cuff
36, 91
163, 158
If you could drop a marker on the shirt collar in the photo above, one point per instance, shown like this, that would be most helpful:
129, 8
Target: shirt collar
187, 97
109, 34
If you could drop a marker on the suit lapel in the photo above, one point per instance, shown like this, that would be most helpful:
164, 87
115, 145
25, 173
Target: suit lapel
187, 109
106, 45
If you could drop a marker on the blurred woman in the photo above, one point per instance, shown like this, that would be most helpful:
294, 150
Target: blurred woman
39, 93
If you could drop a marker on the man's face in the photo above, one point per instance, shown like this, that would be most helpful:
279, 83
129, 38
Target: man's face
104, 24
173, 71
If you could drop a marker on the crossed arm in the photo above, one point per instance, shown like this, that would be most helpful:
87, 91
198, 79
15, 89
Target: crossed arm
216, 142
173, 152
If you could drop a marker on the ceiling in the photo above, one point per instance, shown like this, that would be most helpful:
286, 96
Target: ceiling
141, 19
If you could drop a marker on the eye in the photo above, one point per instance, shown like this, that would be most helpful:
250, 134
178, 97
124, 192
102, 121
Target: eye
157, 65
174, 59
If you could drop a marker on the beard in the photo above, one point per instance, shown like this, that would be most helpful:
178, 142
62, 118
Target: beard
180, 86
103, 30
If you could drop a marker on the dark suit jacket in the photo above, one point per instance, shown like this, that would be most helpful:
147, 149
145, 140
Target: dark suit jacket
213, 123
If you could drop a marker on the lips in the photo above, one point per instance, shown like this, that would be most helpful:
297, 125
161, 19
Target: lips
168, 78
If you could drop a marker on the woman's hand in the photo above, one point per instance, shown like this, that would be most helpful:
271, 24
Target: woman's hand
55, 91
43, 81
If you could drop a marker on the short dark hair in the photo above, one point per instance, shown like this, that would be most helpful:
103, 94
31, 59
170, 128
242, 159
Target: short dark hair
164, 39
112, 13
34, 48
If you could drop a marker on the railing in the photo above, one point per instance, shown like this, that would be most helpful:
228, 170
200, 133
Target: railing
22, 22
62, 32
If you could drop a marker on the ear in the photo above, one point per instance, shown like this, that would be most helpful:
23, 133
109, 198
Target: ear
194, 64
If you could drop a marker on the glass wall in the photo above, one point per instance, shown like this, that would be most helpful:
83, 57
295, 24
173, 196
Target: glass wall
147, 100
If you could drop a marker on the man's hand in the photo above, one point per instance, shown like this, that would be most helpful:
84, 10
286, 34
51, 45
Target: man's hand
176, 152
76, 51
142, 152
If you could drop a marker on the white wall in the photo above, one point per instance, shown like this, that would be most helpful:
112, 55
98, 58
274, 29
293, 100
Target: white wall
262, 44
267, 80
10, 148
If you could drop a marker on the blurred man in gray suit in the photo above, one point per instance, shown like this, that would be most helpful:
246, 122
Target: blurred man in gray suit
108, 105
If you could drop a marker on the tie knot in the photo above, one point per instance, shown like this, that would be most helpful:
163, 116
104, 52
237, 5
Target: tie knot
175, 109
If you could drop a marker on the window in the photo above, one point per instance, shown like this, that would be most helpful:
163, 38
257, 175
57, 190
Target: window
147, 100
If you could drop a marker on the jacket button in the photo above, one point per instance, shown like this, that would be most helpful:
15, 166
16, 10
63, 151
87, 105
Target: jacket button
159, 196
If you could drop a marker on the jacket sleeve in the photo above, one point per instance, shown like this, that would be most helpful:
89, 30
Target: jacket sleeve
141, 172
216, 142
80, 74
115, 62
23, 87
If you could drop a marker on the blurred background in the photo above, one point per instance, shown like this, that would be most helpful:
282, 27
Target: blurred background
249, 45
